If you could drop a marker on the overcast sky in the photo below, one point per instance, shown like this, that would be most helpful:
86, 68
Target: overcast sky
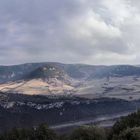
70, 31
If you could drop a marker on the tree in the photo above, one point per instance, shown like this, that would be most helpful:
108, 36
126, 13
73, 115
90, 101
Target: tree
40, 133
44, 133
132, 120
129, 134
88, 133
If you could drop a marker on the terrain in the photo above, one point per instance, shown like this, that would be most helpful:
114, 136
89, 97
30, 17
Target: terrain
126, 128
66, 94
119, 81
23, 111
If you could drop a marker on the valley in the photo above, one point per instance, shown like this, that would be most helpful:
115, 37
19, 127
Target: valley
23, 111
66, 94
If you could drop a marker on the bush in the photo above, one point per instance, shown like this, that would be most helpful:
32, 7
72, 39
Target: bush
40, 133
16, 134
129, 134
44, 133
130, 121
88, 133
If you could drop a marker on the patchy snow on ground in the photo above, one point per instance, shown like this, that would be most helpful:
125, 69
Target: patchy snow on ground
127, 88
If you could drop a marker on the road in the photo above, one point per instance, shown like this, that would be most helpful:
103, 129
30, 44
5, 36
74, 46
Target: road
104, 121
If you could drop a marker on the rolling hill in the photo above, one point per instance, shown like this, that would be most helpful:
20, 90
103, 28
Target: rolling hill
117, 81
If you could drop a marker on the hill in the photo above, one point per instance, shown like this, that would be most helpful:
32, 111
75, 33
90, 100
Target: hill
117, 81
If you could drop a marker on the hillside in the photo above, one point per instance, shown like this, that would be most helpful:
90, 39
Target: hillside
119, 81
44, 80
24, 111
75, 71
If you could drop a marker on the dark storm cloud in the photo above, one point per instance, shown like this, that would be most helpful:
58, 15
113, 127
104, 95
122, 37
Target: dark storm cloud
81, 31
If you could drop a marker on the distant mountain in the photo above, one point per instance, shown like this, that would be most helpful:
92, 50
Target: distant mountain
116, 71
76, 71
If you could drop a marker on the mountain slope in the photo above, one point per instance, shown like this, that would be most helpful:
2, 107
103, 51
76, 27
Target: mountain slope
45, 80
118, 81
75, 71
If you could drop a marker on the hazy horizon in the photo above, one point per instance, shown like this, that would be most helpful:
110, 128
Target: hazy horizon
68, 64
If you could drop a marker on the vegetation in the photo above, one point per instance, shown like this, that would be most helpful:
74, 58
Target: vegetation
127, 128
89, 133
40, 133
129, 134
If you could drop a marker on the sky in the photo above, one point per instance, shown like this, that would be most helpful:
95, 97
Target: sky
93, 32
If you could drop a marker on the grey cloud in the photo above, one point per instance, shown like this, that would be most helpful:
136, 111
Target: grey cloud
69, 31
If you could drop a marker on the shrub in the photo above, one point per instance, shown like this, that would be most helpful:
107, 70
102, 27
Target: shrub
88, 133
128, 134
